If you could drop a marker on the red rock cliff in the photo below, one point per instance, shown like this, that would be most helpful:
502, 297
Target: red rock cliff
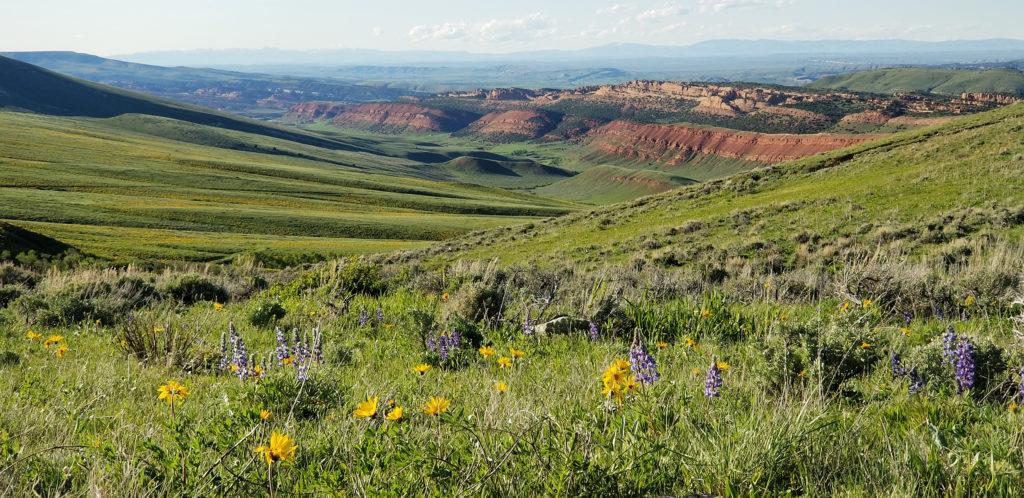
393, 117
675, 144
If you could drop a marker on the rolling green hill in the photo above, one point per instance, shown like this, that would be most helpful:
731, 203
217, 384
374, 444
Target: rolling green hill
926, 80
922, 195
125, 176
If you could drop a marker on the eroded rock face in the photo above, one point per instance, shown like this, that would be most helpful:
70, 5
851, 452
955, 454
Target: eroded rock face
675, 144
393, 117
525, 123
992, 98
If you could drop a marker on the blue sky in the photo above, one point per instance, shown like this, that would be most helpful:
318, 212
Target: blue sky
106, 27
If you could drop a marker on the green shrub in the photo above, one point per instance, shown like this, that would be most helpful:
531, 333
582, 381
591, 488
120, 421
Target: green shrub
280, 390
362, 278
9, 293
161, 342
264, 312
190, 289
11, 274
477, 302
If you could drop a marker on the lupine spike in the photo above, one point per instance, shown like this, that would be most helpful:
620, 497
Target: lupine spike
713, 381
643, 364
594, 332
964, 366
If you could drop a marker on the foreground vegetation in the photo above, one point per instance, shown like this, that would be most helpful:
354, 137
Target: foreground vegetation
838, 325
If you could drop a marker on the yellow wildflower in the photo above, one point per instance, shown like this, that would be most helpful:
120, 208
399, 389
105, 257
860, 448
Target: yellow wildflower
690, 343
395, 415
516, 353
500, 387
802, 372
61, 350
486, 351
421, 368
158, 329
661, 344
366, 409
617, 380
173, 391
445, 296
34, 336
218, 306
53, 339
845, 306
969, 301
1013, 407
783, 318
289, 360
705, 313
905, 331
723, 365
436, 406
264, 414
282, 447
865, 345
505, 361
866, 303
696, 371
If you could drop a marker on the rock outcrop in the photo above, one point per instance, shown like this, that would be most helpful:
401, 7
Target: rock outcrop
676, 144
390, 117
528, 124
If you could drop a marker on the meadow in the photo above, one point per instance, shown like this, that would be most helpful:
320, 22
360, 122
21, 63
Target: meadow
848, 324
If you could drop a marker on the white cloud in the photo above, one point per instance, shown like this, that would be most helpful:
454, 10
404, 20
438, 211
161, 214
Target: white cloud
720, 5
446, 31
377, 31
524, 28
660, 13
614, 9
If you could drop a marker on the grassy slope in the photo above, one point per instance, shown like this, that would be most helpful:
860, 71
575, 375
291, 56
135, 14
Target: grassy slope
91, 172
903, 179
941, 81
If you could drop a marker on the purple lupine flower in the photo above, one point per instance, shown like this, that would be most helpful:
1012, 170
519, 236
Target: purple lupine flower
364, 318
241, 358
642, 363
948, 346
318, 346
897, 365
938, 313
915, 381
1022, 383
302, 373
713, 381
380, 313
907, 318
282, 350
528, 327
964, 366
445, 344
594, 333
223, 351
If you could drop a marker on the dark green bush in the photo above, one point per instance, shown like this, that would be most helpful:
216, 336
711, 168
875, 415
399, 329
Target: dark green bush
190, 289
264, 312
9, 293
279, 390
362, 278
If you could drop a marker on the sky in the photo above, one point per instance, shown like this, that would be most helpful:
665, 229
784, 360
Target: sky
112, 27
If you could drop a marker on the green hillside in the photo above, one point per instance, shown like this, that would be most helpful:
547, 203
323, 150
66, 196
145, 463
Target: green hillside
609, 184
926, 80
913, 195
126, 176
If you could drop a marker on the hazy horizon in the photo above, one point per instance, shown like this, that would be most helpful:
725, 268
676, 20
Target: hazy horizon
118, 27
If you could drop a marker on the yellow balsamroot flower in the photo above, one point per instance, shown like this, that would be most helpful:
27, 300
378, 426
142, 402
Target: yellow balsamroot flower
445, 296
722, 365
1013, 407
436, 406
366, 409
218, 306
696, 371
61, 350
500, 387
173, 391
845, 306
617, 380
905, 331
287, 361
53, 339
705, 313
516, 353
865, 345
662, 345
783, 318
34, 336
395, 415
486, 351
969, 301
767, 285
264, 414
802, 372
690, 343
158, 329
866, 303
505, 361
421, 368
282, 447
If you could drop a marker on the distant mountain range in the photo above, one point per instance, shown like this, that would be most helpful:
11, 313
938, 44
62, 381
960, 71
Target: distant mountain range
909, 50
